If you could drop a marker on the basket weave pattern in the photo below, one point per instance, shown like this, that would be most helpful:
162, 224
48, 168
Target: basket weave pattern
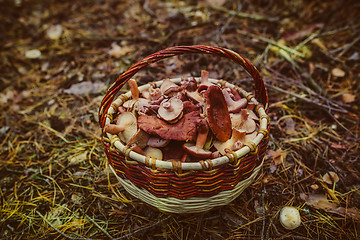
172, 186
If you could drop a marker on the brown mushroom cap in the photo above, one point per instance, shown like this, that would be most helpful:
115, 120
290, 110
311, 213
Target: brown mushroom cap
182, 130
171, 109
217, 113
128, 121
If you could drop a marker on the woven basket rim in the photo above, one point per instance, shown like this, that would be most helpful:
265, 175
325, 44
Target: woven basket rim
250, 147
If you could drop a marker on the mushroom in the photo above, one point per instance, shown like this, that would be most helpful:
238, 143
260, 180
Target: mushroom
134, 147
290, 218
152, 93
153, 152
195, 96
182, 130
234, 106
125, 127
204, 82
167, 87
135, 93
234, 143
217, 113
156, 141
171, 110
330, 177
241, 121
250, 109
198, 150
140, 138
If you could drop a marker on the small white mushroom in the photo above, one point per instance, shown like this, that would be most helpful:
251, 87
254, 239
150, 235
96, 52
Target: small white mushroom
290, 218
171, 110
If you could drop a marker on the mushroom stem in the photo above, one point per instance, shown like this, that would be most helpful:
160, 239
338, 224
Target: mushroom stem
202, 136
234, 106
114, 129
135, 93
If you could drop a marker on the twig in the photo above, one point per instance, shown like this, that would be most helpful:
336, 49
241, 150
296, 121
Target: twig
245, 15
306, 99
98, 226
272, 42
144, 228
263, 212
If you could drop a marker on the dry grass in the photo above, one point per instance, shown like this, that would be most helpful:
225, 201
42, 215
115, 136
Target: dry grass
54, 179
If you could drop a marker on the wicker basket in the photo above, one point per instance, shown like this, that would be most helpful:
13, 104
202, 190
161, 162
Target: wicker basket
186, 187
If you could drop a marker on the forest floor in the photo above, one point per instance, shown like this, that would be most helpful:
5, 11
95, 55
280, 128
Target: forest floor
57, 59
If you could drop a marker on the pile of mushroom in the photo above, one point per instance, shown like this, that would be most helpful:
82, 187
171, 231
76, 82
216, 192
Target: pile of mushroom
189, 121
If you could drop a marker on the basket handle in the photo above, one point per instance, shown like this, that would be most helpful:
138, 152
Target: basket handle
260, 90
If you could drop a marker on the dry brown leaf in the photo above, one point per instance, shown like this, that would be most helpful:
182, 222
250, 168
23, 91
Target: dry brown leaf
348, 98
277, 156
216, 3
320, 201
337, 72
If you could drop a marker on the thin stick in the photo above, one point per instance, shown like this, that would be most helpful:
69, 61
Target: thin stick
57, 230
142, 229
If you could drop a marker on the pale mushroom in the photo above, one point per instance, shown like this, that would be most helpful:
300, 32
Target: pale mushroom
234, 143
250, 109
204, 81
217, 113
153, 152
290, 218
125, 127
135, 93
171, 110
242, 122
195, 96
198, 150
234, 106
167, 87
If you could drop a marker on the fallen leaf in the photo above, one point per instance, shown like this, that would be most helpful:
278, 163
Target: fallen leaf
117, 51
33, 54
320, 201
302, 33
337, 72
78, 158
84, 88
348, 98
216, 3
277, 156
